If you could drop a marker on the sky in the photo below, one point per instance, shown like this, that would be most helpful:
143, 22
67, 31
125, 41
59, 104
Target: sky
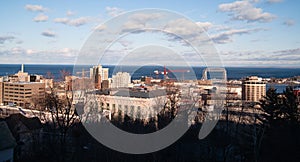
254, 33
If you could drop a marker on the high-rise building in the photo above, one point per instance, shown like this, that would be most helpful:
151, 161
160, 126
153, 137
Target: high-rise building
253, 89
121, 79
98, 74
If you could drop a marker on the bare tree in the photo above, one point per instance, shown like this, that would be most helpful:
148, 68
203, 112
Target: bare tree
62, 111
63, 115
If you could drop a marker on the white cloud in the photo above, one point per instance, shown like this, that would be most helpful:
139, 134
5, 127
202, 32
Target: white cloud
289, 22
288, 52
113, 11
144, 17
49, 33
22, 55
281, 58
205, 25
4, 39
30, 51
17, 50
40, 18
182, 27
244, 10
37, 8
70, 13
226, 37
61, 20
139, 21
274, 1
73, 22
79, 21
100, 28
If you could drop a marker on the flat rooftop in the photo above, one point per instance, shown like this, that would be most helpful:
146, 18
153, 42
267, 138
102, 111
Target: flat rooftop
140, 94
23, 83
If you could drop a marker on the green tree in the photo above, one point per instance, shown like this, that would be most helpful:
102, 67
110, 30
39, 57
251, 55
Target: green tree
271, 105
290, 110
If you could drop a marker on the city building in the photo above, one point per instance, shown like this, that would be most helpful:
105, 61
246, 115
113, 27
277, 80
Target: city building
121, 79
68, 82
78, 83
22, 76
134, 103
146, 80
297, 94
253, 89
98, 73
105, 84
21, 93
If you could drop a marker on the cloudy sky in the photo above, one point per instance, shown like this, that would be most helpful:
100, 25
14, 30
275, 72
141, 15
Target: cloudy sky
245, 33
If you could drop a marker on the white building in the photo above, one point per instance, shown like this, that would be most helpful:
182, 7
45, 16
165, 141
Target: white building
253, 89
136, 104
95, 71
121, 79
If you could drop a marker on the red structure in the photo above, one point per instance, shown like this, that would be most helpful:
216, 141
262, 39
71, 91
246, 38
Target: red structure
166, 71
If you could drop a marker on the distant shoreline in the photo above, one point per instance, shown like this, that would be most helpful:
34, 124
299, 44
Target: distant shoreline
233, 73
64, 64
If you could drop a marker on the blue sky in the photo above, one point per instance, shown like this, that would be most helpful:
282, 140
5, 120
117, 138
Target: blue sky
245, 33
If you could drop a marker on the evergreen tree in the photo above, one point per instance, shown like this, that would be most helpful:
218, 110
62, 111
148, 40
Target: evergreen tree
271, 105
290, 106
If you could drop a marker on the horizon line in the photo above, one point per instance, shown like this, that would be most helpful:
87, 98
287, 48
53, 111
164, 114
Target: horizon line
237, 66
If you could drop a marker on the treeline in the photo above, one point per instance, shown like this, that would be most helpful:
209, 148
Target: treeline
281, 141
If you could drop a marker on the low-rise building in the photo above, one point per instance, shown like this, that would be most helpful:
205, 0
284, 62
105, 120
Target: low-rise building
136, 104
21, 93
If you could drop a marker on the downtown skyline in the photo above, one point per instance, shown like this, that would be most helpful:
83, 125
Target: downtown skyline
245, 33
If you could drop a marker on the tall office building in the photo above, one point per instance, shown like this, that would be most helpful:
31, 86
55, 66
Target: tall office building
253, 89
98, 74
121, 79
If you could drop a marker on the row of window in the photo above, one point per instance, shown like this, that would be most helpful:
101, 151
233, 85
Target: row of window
15, 96
119, 106
17, 89
12, 100
13, 85
9, 92
255, 83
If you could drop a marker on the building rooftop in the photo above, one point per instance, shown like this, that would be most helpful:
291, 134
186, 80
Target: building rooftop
30, 123
140, 94
23, 83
